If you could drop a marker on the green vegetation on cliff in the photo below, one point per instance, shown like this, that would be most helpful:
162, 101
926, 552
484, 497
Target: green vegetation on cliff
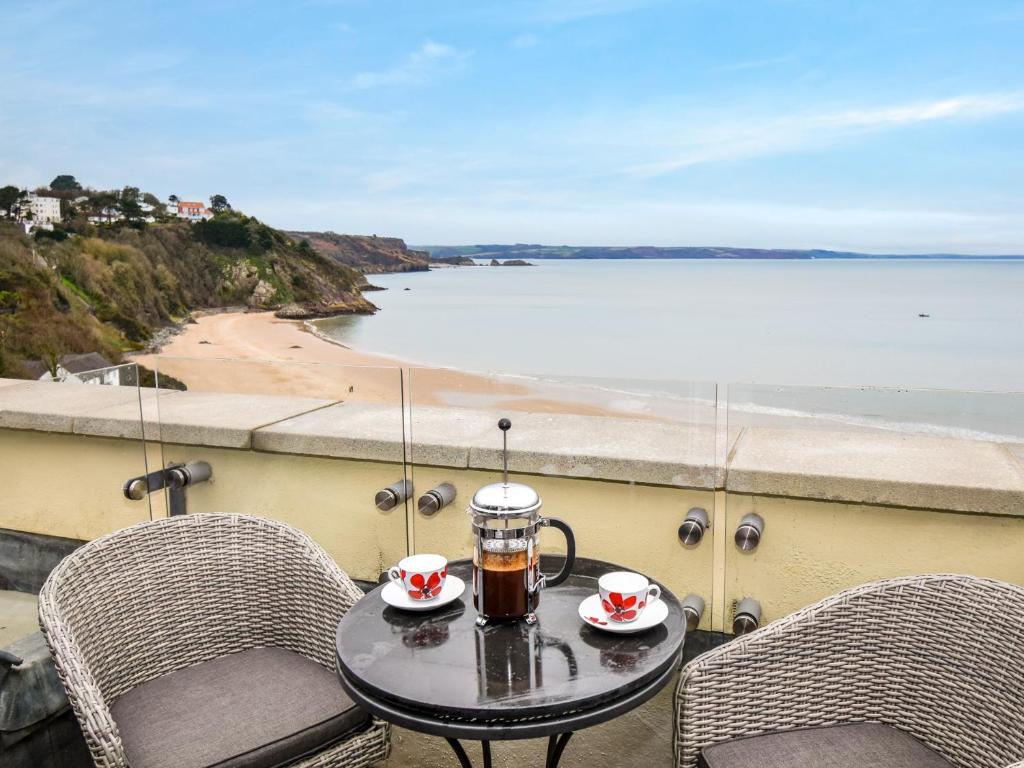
107, 288
367, 253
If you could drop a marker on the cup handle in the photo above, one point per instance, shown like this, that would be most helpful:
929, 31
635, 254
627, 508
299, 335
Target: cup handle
395, 574
653, 593
570, 550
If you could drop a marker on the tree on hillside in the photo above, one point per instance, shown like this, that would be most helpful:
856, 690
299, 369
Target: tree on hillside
219, 204
65, 183
8, 197
130, 203
173, 198
131, 209
150, 199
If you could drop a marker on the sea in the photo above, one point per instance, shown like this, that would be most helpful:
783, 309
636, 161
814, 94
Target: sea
938, 343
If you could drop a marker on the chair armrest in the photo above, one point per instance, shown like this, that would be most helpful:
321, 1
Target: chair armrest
320, 601
86, 698
920, 653
730, 692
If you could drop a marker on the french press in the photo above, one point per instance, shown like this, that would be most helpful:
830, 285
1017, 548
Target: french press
506, 554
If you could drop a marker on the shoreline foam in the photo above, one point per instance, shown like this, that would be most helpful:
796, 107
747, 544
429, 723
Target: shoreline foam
258, 353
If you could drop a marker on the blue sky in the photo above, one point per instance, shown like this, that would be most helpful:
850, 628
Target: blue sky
880, 126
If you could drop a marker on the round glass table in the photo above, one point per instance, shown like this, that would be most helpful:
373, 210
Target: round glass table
439, 673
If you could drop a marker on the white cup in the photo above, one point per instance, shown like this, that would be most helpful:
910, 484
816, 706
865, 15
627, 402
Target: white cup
421, 576
625, 594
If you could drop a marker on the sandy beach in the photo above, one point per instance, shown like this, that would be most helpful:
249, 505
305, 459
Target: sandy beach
255, 352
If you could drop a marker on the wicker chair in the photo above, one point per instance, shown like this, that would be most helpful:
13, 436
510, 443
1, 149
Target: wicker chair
939, 657
164, 596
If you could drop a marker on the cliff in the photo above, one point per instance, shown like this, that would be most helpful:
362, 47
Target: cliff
510, 263
454, 261
534, 251
367, 253
109, 288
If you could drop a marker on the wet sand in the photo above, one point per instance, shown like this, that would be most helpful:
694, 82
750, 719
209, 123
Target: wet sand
255, 352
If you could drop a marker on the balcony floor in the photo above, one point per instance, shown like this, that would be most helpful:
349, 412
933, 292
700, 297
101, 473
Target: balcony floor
641, 737
18, 616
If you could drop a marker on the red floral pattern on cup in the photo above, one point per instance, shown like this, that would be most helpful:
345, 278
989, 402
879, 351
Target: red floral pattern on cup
619, 609
595, 620
625, 595
421, 577
427, 587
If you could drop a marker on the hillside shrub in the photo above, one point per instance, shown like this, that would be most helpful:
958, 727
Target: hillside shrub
225, 232
57, 233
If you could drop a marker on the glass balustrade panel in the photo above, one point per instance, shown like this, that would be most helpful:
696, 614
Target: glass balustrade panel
622, 461
71, 441
829, 488
310, 444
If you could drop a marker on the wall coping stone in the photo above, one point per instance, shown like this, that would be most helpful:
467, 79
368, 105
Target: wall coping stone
54, 407
872, 467
857, 466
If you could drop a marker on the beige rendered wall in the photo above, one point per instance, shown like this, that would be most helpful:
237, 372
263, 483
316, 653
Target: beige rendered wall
630, 524
813, 549
70, 485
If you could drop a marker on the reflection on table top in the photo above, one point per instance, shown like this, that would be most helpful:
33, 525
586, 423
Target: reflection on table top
442, 663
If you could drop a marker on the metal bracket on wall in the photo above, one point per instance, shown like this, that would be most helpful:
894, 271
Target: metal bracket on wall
175, 478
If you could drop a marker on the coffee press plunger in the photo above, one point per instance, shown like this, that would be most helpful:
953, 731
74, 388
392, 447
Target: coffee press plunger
506, 552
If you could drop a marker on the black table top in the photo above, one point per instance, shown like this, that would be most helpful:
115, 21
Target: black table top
418, 669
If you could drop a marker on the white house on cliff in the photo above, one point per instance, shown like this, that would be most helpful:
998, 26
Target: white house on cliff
188, 209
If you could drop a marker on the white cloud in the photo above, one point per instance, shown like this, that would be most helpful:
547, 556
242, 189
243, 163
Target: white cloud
741, 66
332, 112
972, 106
743, 138
468, 218
155, 60
525, 40
429, 59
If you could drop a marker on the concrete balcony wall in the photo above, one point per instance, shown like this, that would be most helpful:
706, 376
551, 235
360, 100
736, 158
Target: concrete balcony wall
330, 499
59, 484
840, 508
812, 549
631, 524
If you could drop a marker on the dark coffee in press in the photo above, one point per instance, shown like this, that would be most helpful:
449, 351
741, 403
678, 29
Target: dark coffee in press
502, 584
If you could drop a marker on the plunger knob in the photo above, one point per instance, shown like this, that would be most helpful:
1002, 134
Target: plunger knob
504, 425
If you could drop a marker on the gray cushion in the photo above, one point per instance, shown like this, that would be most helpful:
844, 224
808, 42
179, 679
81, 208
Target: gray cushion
857, 745
259, 708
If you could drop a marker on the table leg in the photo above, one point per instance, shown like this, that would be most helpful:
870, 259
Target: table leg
556, 746
460, 753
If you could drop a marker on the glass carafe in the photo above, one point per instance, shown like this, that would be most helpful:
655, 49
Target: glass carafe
506, 555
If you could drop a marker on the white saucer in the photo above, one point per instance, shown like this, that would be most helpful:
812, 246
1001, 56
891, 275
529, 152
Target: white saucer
395, 596
655, 613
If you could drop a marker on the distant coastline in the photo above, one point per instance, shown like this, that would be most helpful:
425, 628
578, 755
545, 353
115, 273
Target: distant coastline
536, 251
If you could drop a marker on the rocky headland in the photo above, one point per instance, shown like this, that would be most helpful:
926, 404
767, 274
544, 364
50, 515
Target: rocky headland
510, 263
369, 254
453, 261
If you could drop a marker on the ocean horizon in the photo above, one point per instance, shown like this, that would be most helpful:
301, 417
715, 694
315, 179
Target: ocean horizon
798, 322
929, 346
